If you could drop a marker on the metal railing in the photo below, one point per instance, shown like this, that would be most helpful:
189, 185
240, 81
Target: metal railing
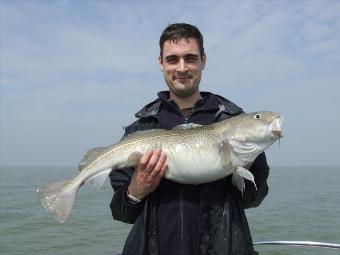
300, 243
293, 243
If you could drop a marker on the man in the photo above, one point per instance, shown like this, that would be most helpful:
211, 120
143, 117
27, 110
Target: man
171, 218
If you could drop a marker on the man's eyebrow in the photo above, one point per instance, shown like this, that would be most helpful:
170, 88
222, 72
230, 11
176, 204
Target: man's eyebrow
190, 55
171, 57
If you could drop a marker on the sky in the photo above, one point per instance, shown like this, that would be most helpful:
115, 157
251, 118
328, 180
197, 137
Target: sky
73, 73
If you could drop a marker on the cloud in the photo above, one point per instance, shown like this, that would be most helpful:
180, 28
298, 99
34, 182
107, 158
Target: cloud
72, 74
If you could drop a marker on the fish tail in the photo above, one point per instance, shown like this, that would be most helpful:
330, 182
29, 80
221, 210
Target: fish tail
57, 200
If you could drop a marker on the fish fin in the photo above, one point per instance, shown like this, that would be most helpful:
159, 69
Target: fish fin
98, 180
186, 126
134, 158
225, 152
139, 133
57, 200
238, 182
90, 155
239, 176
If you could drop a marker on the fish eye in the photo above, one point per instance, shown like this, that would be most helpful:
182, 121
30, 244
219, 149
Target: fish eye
257, 116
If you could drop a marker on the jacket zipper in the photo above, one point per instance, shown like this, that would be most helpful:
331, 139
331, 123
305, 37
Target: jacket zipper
181, 220
181, 208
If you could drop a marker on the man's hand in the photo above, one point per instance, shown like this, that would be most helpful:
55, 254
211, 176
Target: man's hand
148, 174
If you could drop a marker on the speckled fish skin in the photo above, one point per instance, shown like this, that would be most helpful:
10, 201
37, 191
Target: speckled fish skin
194, 155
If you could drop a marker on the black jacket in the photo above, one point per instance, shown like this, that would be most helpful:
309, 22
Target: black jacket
216, 221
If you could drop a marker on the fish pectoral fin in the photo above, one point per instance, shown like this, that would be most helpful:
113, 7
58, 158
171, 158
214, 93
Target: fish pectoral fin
134, 158
238, 182
239, 176
98, 180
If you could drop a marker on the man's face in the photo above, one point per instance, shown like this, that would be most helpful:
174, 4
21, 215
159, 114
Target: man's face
182, 66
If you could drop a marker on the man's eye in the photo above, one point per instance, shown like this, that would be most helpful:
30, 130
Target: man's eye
191, 59
172, 61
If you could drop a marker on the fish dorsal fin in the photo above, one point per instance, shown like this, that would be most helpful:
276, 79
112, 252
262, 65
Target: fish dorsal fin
90, 156
139, 133
186, 126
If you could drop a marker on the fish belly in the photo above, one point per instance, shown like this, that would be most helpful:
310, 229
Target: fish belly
188, 165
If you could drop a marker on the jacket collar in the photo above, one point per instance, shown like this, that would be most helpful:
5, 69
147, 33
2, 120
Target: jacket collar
208, 102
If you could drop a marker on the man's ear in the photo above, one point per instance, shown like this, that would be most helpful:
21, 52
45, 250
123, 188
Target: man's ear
160, 62
204, 60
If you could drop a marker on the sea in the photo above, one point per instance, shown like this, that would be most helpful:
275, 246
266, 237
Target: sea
303, 204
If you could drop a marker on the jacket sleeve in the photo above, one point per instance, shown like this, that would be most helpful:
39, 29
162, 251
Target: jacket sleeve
121, 207
253, 197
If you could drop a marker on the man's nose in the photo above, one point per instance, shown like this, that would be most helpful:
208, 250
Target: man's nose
182, 66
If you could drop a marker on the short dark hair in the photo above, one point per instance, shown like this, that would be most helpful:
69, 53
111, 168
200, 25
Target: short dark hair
177, 31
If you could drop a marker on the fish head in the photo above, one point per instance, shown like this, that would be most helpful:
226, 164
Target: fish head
252, 133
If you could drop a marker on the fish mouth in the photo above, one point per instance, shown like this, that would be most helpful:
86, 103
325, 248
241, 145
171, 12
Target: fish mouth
276, 127
277, 133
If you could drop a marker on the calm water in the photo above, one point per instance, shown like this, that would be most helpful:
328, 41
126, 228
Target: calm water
303, 204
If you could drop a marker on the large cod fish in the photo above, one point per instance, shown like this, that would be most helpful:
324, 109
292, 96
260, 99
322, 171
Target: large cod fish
195, 154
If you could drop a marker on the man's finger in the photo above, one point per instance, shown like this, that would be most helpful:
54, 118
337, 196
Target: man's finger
158, 168
164, 170
161, 173
152, 161
144, 160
